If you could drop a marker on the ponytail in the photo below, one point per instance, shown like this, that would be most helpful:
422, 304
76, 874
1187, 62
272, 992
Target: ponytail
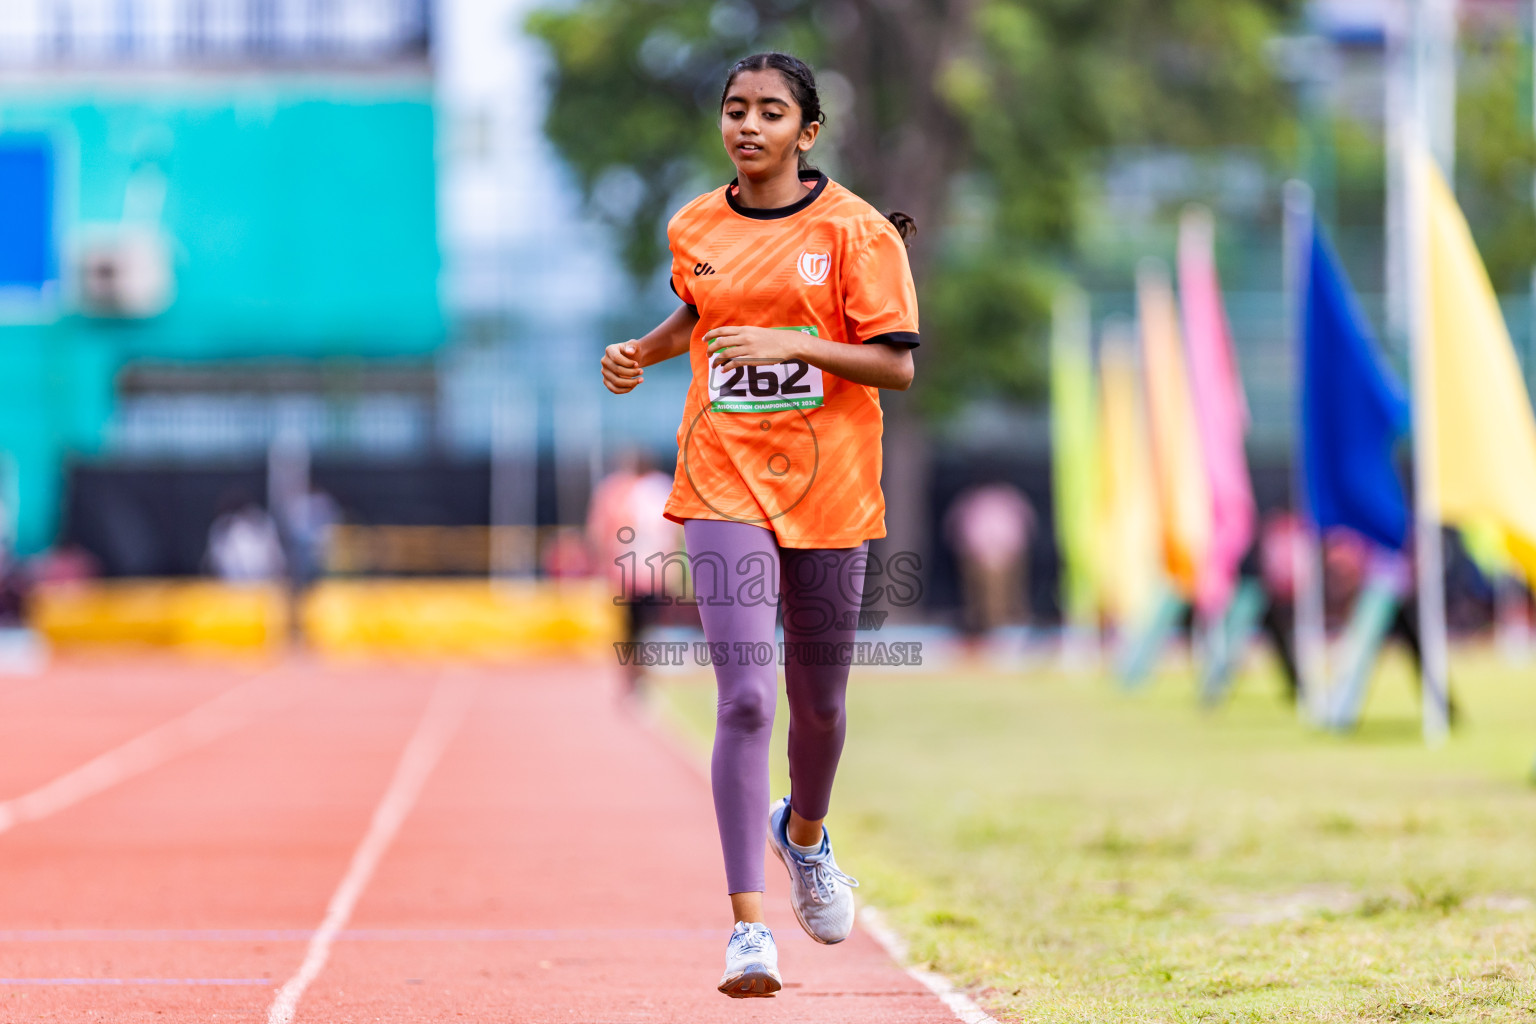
905, 226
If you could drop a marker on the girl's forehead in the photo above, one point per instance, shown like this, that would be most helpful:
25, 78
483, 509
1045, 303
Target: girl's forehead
760, 85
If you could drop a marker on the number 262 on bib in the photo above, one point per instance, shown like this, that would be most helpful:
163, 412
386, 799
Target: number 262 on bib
793, 384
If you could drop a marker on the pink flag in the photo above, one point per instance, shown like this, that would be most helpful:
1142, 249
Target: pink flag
1221, 411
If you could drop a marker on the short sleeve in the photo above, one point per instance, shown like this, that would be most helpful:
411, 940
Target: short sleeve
880, 300
681, 285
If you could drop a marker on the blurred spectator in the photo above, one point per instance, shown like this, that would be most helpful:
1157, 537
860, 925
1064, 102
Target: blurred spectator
565, 555
1393, 571
1471, 595
625, 526
14, 591
65, 564
1397, 571
243, 543
1279, 536
1347, 561
989, 528
309, 522
13, 582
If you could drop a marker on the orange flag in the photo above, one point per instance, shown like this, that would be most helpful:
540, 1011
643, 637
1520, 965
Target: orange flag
1183, 488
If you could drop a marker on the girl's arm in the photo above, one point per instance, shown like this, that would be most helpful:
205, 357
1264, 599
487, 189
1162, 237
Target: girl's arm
624, 362
877, 365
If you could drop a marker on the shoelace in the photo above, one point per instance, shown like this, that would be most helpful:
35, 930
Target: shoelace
752, 940
821, 877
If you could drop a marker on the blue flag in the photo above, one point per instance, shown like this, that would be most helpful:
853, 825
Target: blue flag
1352, 411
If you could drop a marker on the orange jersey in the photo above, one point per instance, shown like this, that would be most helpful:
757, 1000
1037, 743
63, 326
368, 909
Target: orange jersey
787, 446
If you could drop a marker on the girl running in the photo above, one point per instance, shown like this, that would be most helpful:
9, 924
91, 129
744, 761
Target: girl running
797, 305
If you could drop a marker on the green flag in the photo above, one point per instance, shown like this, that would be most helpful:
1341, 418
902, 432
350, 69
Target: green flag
1074, 456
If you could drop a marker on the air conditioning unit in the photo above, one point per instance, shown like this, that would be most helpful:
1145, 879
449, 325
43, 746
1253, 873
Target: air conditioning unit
125, 271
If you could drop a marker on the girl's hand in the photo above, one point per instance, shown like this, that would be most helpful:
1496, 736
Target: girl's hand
730, 347
622, 371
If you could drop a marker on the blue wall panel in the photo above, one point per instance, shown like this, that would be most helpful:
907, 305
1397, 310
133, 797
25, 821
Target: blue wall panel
28, 257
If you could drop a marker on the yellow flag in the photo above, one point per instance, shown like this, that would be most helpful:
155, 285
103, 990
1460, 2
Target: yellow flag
1483, 435
1183, 489
1130, 566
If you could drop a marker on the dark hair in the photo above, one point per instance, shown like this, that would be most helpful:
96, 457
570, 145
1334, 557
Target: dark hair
802, 88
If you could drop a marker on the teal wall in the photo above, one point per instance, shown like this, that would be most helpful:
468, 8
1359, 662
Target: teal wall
303, 218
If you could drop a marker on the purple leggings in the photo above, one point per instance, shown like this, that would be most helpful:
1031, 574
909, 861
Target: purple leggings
737, 570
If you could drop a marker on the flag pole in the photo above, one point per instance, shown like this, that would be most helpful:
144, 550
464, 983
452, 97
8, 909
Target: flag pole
1309, 630
1428, 554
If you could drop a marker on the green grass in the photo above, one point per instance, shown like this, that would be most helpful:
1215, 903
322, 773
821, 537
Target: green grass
1073, 853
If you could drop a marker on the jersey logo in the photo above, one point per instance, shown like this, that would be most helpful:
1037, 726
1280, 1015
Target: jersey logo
701, 269
814, 266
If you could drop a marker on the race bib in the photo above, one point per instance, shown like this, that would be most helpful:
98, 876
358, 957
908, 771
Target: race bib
794, 384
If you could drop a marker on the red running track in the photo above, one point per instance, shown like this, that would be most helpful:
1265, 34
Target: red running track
525, 876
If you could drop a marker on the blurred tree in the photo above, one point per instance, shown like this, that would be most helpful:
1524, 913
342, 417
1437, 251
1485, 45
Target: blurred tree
1495, 151
1007, 105
1003, 106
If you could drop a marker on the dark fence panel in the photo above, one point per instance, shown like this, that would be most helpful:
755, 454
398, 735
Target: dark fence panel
153, 520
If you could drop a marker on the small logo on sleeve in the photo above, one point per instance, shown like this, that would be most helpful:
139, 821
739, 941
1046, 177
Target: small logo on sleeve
702, 270
814, 266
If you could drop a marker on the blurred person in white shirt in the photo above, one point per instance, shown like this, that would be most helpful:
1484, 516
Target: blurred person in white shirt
244, 545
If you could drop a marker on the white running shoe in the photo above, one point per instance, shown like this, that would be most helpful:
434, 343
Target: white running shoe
820, 893
751, 963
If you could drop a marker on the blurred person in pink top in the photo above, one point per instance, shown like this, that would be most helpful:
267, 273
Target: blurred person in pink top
1279, 536
625, 527
989, 527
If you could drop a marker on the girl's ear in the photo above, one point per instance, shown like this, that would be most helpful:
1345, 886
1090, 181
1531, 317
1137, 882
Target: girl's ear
808, 137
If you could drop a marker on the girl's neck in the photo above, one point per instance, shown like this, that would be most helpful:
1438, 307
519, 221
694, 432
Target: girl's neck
781, 188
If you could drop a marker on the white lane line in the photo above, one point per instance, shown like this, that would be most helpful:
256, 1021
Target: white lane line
961, 1005
135, 981
869, 919
142, 935
442, 718
231, 710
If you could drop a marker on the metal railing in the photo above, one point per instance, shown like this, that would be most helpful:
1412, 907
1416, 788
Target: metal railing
213, 426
